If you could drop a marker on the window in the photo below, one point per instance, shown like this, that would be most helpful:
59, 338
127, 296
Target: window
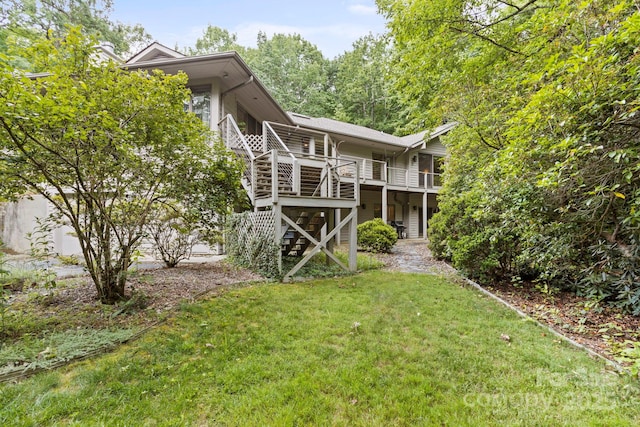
430, 167
425, 166
247, 123
438, 161
200, 105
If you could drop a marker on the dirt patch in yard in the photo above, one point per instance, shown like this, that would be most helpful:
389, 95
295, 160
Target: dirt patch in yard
74, 304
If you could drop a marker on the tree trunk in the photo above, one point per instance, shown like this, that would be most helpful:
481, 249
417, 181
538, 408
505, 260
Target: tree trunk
112, 280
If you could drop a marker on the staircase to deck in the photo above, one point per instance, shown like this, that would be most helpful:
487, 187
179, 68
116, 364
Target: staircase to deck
293, 242
312, 196
272, 171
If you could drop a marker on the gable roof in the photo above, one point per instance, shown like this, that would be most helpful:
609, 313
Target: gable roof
232, 72
423, 137
154, 52
236, 76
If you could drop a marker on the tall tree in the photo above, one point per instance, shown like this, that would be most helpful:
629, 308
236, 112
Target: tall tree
25, 21
296, 73
541, 180
216, 39
364, 87
103, 146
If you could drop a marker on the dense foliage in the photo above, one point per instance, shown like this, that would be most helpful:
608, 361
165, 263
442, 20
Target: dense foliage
103, 146
356, 87
295, 72
364, 86
376, 236
22, 22
542, 182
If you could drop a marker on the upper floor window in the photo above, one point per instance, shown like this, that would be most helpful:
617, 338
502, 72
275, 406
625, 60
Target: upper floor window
200, 105
247, 123
430, 167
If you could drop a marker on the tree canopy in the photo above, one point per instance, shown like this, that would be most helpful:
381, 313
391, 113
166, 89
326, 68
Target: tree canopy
25, 21
104, 146
214, 40
542, 180
364, 89
357, 87
295, 71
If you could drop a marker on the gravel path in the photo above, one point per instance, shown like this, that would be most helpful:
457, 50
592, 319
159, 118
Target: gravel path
413, 256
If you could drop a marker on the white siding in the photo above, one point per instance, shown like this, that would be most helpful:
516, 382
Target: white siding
415, 200
20, 219
436, 147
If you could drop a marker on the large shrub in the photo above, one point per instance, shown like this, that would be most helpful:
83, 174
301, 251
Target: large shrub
376, 236
542, 179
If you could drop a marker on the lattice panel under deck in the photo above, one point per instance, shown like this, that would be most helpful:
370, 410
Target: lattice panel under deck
255, 142
253, 231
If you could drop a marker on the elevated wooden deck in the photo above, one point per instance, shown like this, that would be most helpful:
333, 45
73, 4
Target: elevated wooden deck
307, 191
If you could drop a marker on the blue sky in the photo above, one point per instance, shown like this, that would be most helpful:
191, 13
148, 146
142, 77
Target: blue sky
332, 25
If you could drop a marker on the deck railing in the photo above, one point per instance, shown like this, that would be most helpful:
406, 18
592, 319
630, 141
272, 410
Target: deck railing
301, 141
429, 180
377, 170
369, 169
236, 142
273, 169
271, 172
344, 180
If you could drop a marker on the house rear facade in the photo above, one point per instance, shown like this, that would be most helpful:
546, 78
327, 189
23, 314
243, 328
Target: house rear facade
399, 177
310, 166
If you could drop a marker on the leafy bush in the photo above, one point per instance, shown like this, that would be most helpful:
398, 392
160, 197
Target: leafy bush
173, 235
613, 276
376, 236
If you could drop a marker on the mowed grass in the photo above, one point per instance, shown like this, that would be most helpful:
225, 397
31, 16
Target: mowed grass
377, 349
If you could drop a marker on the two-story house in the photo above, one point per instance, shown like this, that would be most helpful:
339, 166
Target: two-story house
328, 172
399, 177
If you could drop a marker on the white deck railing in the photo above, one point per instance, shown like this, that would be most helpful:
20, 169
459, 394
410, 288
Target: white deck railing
272, 170
429, 180
236, 142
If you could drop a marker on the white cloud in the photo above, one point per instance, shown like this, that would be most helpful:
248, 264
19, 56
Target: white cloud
362, 9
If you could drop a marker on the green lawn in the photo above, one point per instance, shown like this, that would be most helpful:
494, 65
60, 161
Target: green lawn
374, 349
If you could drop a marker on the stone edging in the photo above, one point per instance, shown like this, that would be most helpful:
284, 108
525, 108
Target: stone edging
524, 315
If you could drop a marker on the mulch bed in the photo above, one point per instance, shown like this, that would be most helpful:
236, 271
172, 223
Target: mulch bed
158, 290
597, 327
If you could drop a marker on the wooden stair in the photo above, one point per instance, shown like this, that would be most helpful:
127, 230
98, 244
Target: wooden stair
293, 243
264, 180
